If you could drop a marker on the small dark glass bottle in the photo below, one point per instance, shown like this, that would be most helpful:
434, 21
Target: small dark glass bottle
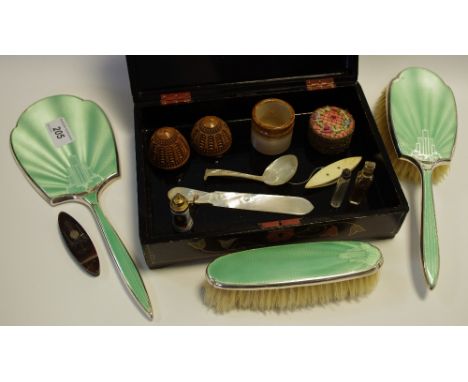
181, 219
341, 188
362, 183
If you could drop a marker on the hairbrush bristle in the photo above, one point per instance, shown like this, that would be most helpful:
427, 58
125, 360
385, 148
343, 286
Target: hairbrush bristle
404, 169
281, 299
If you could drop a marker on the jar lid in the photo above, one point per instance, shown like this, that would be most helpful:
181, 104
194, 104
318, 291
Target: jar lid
273, 117
332, 122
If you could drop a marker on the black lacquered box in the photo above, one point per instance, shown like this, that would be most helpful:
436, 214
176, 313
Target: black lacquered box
177, 91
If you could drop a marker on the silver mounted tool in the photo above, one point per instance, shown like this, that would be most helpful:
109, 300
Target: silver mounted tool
280, 204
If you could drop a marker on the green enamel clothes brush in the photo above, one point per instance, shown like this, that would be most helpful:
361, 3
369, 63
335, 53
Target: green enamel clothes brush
66, 147
422, 117
291, 276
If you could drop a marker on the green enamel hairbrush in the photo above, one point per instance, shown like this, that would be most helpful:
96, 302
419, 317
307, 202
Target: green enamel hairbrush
422, 116
66, 147
290, 276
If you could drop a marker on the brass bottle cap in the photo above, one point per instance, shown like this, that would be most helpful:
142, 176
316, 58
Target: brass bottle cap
273, 117
179, 203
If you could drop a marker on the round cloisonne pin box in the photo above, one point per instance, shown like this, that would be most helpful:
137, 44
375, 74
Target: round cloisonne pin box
330, 129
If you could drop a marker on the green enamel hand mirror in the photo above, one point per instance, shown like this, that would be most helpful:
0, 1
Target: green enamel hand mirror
422, 115
66, 147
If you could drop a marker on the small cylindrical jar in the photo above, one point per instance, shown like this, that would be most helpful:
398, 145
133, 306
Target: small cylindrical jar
272, 126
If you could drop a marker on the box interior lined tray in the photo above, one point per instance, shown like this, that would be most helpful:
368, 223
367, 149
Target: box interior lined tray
155, 217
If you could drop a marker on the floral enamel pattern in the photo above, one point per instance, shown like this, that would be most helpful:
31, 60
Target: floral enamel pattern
330, 129
332, 122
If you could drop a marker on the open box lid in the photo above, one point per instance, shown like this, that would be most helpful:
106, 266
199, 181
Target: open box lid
175, 79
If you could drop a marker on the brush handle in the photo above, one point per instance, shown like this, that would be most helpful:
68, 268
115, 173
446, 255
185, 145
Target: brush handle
123, 260
429, 240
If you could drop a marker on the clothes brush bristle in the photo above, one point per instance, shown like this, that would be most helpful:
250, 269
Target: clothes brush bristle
404, 169
286, 299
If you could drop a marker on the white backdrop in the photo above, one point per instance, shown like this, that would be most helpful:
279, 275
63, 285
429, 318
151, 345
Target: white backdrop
40, 284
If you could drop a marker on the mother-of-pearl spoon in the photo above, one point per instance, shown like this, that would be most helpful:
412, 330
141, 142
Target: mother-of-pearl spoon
279, 172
